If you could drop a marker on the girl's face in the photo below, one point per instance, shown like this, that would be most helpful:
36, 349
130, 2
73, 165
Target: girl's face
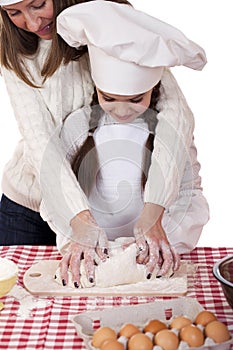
35, 16
124, 109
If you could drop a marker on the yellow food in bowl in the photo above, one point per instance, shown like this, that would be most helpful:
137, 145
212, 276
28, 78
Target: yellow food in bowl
8, 275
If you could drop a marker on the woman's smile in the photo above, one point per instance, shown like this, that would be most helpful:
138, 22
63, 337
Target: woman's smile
45, 30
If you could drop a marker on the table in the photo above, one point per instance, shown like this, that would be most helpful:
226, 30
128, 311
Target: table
47, 326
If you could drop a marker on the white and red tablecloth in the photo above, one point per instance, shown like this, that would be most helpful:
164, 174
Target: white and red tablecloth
48, 325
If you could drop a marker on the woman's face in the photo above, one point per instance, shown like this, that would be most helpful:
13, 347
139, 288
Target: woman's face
124, 109
35, 16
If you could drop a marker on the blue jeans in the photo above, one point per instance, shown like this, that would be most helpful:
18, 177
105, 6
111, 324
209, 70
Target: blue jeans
22, 226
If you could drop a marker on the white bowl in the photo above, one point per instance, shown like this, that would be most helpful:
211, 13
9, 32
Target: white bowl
8, 275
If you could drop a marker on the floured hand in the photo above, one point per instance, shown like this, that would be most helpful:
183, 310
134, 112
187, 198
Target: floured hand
120, 268
153, 246
87, 241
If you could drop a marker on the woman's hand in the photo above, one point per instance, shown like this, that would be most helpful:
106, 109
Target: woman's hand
87, 240
153, 246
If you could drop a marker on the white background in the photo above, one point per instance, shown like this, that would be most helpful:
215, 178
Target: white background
209, 94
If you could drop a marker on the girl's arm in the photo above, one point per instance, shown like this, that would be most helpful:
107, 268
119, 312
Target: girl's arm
88, 238
173, 138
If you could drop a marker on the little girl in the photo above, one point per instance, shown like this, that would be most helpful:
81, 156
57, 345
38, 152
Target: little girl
110, 149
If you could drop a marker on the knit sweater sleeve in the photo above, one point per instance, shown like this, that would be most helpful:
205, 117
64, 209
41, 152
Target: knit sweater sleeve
39, 114
174, 133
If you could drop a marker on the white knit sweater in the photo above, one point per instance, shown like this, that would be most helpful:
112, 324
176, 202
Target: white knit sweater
29, 177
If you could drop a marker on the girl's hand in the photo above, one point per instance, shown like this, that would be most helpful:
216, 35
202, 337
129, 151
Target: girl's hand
153, 246
87, 240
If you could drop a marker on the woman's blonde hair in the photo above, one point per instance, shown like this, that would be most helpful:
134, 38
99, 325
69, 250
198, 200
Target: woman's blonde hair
15, 44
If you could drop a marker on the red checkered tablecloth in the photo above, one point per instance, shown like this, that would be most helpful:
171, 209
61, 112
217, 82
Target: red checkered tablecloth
48, 326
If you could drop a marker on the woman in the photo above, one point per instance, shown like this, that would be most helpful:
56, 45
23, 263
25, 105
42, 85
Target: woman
46, 80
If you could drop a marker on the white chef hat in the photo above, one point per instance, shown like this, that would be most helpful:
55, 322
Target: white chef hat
9, 2
128, 49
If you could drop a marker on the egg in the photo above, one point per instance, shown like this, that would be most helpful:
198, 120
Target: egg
217, 331
112, 344
180, 322
204, 317
140, 341
192, 335
166, 339
128, 329
102, 334
154, 326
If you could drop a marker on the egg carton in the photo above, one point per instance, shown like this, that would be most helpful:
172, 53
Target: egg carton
164, 310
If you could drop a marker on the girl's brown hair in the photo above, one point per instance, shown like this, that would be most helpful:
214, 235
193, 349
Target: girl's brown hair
85, 162
15, 44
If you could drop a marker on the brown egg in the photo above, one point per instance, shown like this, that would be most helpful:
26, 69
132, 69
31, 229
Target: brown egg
128, 329
102, 334
140, 341
204, 317
112, 344
180, 322
154, 326
192, 335
217, 331
166, 339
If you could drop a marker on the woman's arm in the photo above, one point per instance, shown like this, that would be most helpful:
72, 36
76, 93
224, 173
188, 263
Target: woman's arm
173, 138
39, 114
184, 220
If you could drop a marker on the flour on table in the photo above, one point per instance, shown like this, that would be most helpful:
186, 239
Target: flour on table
120, 268
27, 302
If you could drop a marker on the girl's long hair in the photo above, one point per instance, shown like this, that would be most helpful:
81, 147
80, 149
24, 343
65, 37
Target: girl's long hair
16, 44
85, 163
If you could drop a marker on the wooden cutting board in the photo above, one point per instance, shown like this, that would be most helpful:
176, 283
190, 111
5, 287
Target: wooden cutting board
39, 280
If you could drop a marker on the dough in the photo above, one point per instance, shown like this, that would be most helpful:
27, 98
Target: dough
119, 268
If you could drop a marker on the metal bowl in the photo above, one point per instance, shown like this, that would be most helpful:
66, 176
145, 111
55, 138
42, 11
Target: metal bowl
223, 272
